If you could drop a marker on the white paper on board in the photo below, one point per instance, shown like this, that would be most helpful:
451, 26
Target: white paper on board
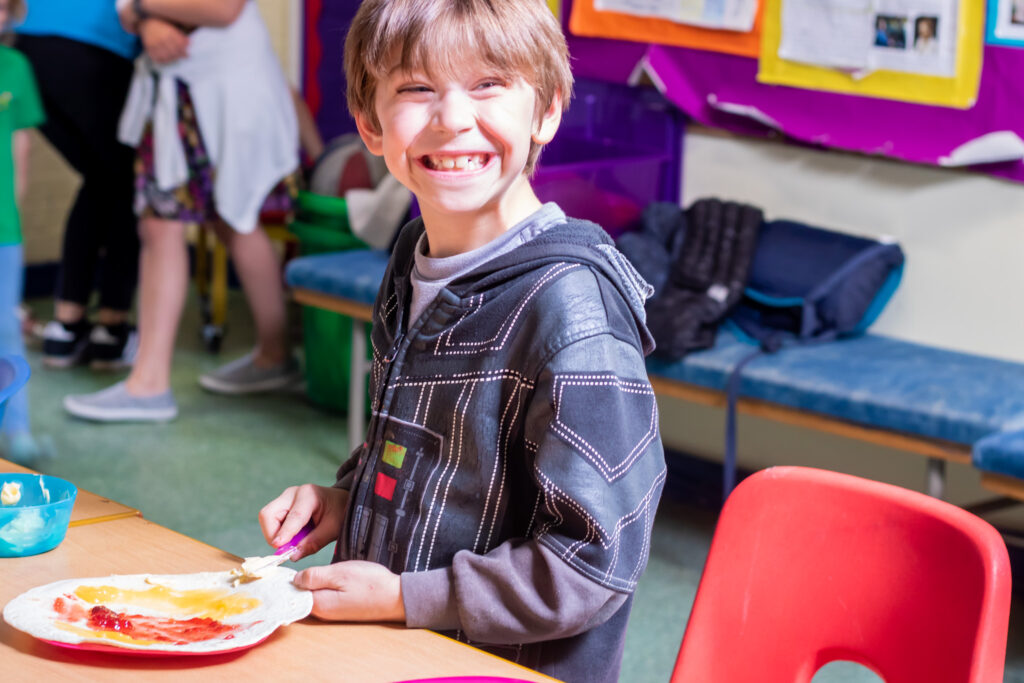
861, 36
731, 15
744, 110
1000, 145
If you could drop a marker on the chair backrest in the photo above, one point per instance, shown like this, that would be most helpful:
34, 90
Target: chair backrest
809, 566
14, 373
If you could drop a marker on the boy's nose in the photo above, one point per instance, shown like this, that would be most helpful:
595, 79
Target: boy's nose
454, 112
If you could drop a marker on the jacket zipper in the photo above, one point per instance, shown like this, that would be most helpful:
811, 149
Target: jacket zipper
373, 436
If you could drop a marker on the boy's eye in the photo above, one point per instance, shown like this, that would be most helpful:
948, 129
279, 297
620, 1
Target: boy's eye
416, 88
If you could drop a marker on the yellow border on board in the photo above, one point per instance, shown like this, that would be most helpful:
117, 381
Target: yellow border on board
960, 91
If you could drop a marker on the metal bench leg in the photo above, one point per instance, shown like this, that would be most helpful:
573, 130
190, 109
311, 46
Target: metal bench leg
358, 370
936, 483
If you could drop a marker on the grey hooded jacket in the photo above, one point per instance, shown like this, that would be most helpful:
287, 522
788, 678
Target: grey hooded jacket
513, 463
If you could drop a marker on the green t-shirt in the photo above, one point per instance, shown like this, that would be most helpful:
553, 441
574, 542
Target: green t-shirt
19, 108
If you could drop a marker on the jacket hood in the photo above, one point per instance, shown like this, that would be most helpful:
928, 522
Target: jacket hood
575, 241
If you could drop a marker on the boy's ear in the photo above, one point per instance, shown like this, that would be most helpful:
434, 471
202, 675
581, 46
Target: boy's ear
370, 135
549, 121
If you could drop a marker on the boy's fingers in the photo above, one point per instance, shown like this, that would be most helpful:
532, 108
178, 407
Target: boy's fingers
303, 505
273, 514
313, 579
291, 525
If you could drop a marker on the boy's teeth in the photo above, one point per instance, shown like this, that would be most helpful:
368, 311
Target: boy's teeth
462, 162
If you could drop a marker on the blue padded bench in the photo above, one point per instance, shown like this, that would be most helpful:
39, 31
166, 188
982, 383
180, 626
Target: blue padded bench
936, 403
1000, 457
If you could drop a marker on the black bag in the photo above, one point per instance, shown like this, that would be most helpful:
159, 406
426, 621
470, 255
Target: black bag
705, 276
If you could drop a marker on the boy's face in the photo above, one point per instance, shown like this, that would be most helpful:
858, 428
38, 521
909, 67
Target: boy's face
460, 143
5, 13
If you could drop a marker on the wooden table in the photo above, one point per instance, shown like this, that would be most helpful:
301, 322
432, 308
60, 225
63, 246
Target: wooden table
309, 650
89, 508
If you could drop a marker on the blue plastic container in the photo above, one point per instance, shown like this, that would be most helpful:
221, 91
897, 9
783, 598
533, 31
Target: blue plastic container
14, 374
33, 525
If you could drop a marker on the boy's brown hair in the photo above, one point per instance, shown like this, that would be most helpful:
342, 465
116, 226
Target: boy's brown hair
515, 37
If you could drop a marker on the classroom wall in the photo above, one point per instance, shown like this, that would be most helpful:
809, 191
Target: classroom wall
962, 232
963, 238
51, 187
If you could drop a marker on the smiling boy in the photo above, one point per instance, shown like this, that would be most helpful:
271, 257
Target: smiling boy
513, 465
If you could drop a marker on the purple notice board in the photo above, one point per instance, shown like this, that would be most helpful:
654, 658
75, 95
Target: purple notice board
917, 133
694, 78
324, 77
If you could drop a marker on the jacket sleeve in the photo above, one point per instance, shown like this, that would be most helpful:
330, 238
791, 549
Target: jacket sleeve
591, 436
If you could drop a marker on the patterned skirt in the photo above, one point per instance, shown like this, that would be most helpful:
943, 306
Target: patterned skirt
193, 201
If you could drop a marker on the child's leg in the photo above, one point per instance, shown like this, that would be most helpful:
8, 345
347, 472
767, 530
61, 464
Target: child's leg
259, 268
163, 279
163, 282
270, 366
11, 273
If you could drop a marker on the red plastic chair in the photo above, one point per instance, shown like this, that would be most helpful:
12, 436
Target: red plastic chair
808, 566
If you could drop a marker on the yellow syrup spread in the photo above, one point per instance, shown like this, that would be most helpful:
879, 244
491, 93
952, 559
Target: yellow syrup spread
89, 634
208, 603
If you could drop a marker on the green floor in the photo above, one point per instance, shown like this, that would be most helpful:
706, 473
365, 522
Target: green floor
208, 473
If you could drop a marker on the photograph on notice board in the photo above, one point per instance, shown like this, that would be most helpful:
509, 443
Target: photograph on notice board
926, 40
858, 37
890, 31
835, 46
921, 37
1006, 22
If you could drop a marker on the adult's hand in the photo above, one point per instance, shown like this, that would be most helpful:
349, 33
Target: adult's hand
163, 41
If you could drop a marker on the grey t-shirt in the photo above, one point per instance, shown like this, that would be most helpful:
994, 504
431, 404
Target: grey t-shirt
431, 275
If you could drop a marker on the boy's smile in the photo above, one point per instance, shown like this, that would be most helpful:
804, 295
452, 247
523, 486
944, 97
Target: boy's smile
458, 162
461, 142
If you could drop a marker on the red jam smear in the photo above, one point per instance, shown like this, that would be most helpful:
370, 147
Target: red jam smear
141, 627
71, 610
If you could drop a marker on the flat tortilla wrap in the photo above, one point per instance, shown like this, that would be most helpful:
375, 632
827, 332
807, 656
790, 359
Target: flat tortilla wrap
252, 611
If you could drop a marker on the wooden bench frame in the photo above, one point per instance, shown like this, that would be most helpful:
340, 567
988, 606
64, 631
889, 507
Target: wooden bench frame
938, 452
359, 366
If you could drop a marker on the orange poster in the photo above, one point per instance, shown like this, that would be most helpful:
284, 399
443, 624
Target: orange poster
587, 21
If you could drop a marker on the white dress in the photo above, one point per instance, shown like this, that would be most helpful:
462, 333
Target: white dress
243, 107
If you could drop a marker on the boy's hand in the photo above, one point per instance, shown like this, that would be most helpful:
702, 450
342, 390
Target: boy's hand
283, 517
163, 41
354, 591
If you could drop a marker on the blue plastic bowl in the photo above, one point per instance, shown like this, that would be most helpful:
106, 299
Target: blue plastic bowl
32, 526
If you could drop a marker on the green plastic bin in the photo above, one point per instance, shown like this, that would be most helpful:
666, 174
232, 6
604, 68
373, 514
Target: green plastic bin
323, 211
327, 336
